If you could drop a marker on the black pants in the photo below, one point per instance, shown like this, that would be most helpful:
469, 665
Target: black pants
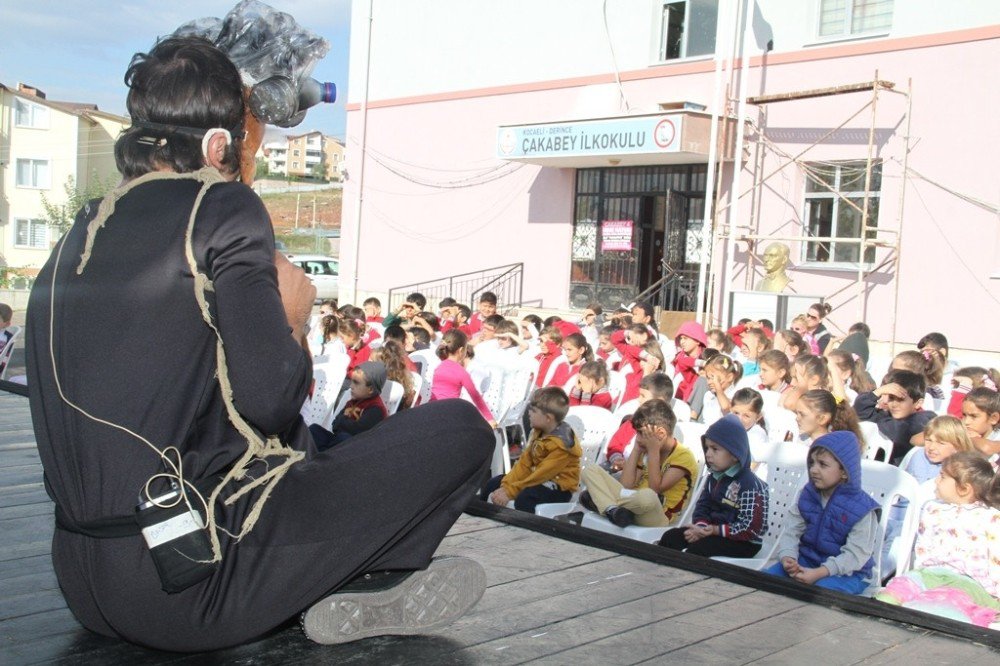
530, 497
382, 500
709, 546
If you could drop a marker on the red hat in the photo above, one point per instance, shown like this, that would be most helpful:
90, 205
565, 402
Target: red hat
567, 328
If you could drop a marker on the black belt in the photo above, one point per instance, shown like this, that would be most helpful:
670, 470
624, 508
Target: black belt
117, 527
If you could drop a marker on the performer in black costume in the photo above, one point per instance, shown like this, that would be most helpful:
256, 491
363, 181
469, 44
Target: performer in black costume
130, 349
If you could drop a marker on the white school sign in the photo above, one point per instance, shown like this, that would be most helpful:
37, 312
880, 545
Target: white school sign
641, 135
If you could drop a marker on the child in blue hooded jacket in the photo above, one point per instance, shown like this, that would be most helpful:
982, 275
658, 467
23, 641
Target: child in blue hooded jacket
730, 517
830, 536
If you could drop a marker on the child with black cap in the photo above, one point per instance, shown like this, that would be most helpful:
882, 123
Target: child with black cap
731, 515
362, 412
830, 534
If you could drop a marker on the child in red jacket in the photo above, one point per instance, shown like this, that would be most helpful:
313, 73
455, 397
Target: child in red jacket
591, 386
691, 342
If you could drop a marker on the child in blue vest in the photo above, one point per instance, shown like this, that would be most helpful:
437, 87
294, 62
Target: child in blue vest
831, 533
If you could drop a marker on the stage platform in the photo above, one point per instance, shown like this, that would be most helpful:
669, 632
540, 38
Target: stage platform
556, 595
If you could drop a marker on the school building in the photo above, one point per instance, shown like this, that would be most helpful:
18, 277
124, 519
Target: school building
581, 141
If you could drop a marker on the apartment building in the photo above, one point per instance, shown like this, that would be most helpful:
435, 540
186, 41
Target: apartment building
311, 154
44, 145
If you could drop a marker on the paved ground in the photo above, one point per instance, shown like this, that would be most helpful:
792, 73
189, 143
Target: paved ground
548, 601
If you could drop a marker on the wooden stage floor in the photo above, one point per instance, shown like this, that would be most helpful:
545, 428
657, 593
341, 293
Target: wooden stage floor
549, 601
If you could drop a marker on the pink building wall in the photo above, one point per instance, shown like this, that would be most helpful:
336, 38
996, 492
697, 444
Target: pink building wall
950, 249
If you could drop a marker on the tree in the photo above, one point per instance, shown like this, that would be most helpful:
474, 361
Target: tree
318, 171
60, 216
262, 169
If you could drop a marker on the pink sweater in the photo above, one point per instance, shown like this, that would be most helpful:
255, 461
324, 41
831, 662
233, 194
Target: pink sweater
449, 380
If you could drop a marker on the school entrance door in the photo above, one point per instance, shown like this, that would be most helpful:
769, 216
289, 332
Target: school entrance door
631, 227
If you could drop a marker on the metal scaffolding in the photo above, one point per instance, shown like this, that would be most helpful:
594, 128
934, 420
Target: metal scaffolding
870, 236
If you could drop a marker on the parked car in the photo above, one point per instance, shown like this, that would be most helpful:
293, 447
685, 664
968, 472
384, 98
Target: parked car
323, 271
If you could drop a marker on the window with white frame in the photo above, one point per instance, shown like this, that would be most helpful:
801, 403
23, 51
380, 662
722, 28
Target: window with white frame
835, 199
31, 115
688, 28
31, 233
32, 173
854, 17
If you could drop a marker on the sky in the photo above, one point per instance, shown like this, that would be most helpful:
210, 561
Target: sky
78, 50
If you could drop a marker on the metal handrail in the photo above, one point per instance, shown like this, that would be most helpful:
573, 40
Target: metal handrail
506, 280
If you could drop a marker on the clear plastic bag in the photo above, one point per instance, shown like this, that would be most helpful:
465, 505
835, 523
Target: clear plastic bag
261, 41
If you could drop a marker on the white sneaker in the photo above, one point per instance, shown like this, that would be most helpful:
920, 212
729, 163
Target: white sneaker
422, 602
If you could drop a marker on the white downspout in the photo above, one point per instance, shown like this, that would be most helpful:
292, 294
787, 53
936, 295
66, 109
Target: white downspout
364, 146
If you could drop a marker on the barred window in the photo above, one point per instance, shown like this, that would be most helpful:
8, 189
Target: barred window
828, 215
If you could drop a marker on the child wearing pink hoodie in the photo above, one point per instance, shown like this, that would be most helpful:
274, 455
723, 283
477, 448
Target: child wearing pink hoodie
691, 342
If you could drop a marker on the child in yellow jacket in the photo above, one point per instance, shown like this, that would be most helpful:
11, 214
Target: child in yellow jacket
549, 468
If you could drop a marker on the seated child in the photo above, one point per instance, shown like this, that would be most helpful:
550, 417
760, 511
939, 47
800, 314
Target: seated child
691, 342
848, 376
956, 557
373, 310
717, 339
591, 386
549, 356
657, 479
549, 467
966, 379
362, 412
790, 344
654, 386
754, 343
925, 363
487, 307
577, 351
721, 375
651, 361
450, 376
730, 517
776, 375
748, 406
6, 316
696, 401
606, 349
944, 436
830, 533
394, 358
818, 412
352, 333
981, 418
897, 408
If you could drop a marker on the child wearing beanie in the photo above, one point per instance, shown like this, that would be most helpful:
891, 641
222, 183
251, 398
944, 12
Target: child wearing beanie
362, 412
830, 534
730, 517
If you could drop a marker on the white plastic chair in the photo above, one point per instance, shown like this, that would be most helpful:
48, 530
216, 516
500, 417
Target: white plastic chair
392, 395
418, 389
328, 378
875, 442
886, 483
594, 426
690, 433
551, 372
626, 409
786, 473
682, 410
616, 387
517, 388
780, 422
648, 534
8, 351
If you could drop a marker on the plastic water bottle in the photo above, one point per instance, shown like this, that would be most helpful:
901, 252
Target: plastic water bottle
280, 102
